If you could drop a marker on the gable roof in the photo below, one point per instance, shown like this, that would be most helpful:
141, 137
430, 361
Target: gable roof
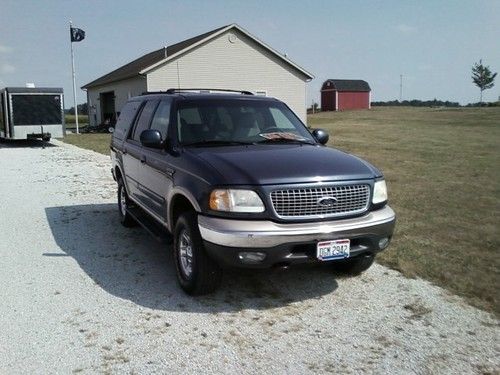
150, 61
346, 85
134, 67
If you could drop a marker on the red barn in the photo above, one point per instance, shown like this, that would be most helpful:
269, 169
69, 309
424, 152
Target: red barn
342, 94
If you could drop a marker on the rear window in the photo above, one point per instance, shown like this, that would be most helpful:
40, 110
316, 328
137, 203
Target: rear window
125, 119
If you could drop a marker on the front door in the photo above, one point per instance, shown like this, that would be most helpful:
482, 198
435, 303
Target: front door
133, 155
157, 171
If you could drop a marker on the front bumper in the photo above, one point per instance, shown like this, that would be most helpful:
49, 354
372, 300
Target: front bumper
290, 243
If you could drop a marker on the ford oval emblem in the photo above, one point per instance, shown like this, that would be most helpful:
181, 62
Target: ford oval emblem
327, 201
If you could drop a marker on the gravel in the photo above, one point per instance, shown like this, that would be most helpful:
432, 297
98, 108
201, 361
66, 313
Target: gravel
82, 294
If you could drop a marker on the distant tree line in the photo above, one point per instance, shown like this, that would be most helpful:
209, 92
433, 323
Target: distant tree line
82, 110
417, 103
431, 103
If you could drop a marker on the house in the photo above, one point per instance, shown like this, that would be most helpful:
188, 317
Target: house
342, 94
225, 58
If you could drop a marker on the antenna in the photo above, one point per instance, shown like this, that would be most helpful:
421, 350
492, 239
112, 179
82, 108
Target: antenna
400, 87
178, 76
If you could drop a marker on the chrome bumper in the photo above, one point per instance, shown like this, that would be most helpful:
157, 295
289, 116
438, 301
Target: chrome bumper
264, 234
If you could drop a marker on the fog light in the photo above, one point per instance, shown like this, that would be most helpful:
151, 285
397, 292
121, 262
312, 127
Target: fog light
383, 243
251, 257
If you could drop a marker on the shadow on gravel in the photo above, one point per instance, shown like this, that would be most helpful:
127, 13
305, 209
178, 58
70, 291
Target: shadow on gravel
25, 143
131, 265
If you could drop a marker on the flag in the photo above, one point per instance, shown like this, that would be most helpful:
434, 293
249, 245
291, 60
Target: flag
77, 35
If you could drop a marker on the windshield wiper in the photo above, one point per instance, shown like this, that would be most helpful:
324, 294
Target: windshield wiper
286, 140
217, 143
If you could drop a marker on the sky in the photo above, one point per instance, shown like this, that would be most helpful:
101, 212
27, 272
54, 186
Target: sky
432, 44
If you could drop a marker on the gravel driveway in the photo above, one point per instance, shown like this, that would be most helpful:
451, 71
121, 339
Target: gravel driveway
80, 293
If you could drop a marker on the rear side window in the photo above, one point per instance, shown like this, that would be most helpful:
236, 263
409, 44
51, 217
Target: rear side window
161, 118
144, 119
125, 119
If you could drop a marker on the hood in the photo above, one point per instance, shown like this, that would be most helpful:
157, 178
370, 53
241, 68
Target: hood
272, 164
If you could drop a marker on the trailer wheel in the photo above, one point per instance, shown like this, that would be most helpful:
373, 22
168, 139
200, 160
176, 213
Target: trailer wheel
123, 204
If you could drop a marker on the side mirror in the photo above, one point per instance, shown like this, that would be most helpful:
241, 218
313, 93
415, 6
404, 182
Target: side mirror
321, 136
151, 138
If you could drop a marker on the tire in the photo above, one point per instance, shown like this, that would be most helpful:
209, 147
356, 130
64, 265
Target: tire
123, 204
355, 266
197, 274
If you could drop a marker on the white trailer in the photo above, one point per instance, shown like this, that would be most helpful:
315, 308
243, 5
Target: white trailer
32, 113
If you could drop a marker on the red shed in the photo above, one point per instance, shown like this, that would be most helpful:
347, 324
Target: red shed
341, 94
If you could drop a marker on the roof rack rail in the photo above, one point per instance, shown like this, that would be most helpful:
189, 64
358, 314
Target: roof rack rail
154, 92
173, 91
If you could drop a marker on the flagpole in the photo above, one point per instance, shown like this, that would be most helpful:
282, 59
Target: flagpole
74, 79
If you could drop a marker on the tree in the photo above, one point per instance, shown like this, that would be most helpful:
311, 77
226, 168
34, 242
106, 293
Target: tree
482, 77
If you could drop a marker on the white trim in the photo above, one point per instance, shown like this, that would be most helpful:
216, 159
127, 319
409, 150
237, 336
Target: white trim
212, 36
336, 100
369, 100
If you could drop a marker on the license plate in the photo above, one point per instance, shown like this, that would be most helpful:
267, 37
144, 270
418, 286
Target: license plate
335, 249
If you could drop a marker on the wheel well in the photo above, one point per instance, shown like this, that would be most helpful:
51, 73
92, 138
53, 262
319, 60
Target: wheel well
179, 204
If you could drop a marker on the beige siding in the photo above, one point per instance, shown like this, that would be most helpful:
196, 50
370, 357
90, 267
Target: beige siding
242, 65
123, 90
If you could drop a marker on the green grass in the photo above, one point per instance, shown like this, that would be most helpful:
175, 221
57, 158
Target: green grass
70, 121
442, 167
443, 172
98, 142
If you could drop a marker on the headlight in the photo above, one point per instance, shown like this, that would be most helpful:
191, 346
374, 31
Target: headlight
379, 192
234, 200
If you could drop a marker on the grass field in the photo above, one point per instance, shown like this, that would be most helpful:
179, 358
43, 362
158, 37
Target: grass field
443, 172
98, 142
71, 123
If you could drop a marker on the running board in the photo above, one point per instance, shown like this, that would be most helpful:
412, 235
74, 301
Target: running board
150, 224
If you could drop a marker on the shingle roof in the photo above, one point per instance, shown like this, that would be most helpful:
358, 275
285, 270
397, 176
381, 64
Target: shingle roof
346, 85
155, 58
133, 68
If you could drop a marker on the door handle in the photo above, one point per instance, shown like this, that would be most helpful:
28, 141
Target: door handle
143, 159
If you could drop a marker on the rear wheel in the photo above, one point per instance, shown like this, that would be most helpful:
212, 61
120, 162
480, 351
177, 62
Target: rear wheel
355, 266
196, 272
123, 204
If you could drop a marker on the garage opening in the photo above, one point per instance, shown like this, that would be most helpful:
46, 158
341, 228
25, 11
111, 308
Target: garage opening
108, 112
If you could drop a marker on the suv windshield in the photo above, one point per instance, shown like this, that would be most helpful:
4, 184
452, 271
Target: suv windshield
233, 122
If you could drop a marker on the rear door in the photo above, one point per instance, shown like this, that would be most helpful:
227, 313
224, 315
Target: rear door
133, 157
157, 171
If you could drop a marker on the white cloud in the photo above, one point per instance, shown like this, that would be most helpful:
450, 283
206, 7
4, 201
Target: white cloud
6, 68
5, 49
406, 29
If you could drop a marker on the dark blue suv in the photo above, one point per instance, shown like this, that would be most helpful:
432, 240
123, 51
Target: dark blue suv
239, 181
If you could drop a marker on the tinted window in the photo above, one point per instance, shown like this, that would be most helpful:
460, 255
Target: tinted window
162, 118
144, 119
125, 119
36, 109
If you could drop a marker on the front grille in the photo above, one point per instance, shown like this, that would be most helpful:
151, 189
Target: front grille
306, 202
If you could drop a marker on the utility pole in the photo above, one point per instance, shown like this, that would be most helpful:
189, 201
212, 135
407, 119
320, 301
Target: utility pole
400, 87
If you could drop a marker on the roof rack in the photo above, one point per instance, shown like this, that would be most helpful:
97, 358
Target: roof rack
173, 91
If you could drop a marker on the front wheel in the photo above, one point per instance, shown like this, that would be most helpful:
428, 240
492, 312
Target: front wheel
355, 266
196, 272
123, 204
